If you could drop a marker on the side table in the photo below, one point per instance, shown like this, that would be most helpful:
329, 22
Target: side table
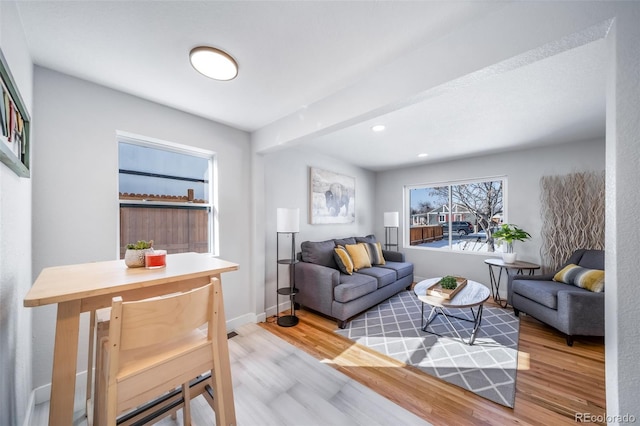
518, 266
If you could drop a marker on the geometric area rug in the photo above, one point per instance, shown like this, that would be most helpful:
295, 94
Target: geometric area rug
487, 368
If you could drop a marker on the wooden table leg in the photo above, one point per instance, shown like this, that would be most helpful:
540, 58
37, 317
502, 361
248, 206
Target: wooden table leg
222, 384
65, 354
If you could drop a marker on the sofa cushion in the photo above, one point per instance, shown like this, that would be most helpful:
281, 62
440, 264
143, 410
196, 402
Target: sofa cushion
353, 286
589, 279
342, 258
374, 250
368, 239
383, 276
345, 241
359, 256
542, 292
320, 253
403, 269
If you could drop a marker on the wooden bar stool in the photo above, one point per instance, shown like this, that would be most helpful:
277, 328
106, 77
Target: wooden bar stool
155, 346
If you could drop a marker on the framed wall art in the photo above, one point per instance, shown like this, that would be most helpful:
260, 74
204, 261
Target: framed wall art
15, 124
332, 197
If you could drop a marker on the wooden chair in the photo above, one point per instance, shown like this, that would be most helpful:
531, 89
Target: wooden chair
156, 345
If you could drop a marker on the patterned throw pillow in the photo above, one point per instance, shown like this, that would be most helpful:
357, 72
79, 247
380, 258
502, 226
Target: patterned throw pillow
359, 256
343, 260
589, 279
374, 250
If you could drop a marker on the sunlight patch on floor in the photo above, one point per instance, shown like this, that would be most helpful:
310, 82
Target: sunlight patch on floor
524, 360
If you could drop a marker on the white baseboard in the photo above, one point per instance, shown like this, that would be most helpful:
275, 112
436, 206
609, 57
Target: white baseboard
30, 407
271, 310
43, 394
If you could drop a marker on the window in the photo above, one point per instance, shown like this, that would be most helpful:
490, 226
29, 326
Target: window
456, 216
165, 195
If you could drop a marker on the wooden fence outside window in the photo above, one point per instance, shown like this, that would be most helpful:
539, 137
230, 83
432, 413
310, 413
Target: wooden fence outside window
175, 229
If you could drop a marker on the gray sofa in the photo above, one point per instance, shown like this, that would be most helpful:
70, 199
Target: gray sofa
324, 288
568, 308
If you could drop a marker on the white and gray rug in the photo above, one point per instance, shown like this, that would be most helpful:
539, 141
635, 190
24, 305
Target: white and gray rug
488, 368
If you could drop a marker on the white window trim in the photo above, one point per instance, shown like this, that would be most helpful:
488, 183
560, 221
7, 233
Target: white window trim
150, 142
407, 211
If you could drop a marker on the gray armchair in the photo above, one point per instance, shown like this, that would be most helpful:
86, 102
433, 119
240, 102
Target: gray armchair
568, 308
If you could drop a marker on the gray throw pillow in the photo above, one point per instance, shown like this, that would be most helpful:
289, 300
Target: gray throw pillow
345, 241
319, 252
368, 239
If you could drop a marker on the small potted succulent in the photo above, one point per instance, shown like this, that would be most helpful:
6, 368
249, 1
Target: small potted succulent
134, 256
509, 233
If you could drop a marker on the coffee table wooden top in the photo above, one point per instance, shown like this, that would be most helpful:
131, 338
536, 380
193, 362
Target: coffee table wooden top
473, 294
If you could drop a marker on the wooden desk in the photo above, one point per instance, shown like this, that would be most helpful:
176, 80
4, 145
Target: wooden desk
90, 286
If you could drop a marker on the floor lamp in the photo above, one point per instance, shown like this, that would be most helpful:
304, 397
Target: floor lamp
391, 220
288, 222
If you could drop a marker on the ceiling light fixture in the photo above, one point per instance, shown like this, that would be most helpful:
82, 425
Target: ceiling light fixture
378, 127
213, 63
423, 155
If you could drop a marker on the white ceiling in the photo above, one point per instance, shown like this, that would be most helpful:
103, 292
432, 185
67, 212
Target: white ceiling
292, 54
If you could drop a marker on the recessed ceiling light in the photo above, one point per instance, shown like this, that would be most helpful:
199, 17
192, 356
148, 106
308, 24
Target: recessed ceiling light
378, 127
423, 155
213, 63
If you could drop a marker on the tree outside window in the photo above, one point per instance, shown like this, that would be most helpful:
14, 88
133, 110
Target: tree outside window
468, 214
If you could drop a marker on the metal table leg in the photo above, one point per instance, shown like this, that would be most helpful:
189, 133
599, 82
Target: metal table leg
435, 311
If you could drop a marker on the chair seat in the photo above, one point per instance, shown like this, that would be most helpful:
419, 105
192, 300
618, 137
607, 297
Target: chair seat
543, 292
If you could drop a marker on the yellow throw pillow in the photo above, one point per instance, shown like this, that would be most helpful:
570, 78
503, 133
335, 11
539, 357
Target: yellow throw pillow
343, 260
589, 279
359, 256
374, 250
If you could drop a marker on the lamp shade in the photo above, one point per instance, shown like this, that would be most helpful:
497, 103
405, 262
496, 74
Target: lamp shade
288, 220
391, 220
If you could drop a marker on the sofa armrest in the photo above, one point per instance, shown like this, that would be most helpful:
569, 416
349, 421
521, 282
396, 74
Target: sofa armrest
582, 312
393, 256
315, 284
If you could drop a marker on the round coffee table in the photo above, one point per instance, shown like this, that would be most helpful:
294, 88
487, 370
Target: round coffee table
472, 295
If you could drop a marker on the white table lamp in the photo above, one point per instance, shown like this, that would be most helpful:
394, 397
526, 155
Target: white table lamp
288, 220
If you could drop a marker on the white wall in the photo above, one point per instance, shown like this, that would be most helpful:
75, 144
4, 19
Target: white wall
15, 243
622, 334
523, 170
75, 193
286, 184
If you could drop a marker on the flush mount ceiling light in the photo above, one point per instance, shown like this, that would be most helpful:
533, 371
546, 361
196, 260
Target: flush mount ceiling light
378, 127
213, 63
423, 155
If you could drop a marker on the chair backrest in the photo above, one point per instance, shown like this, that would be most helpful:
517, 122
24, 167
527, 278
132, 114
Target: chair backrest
155, 345
592, 259
162, 319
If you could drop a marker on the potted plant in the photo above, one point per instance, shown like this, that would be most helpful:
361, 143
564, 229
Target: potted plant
449, 283
134, 256
509, 233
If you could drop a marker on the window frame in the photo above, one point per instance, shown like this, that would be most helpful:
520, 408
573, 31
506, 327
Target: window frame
407, 212
211, 205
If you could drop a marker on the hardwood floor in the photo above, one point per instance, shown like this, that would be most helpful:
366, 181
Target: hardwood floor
554, 381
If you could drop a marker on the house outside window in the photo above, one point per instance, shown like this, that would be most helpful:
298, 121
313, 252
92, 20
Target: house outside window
166, 195
475, 208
